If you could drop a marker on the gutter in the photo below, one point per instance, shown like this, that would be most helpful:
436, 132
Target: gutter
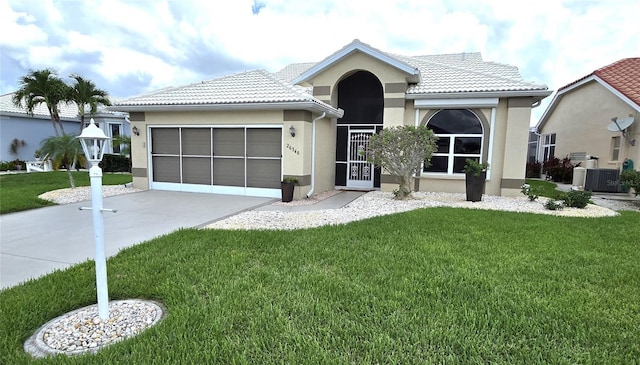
313, 154
481, 94
305, 105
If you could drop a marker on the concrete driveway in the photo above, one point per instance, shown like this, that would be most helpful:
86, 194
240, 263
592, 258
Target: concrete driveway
39, 241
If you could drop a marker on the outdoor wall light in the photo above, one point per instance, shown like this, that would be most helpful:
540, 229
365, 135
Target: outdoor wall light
93, 144
135, 131
292, 131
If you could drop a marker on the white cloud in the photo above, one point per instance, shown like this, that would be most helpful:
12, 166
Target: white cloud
172, 42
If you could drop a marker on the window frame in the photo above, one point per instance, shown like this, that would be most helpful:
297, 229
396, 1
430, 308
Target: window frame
548, 146
616, 147
451, 154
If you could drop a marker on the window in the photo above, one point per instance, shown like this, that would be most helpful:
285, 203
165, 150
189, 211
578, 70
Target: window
615, 148
533, 148
460, 136
548, 146
115, 131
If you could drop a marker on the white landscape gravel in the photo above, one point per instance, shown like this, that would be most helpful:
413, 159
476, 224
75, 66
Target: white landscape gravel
83, 193
369, 205
377, 203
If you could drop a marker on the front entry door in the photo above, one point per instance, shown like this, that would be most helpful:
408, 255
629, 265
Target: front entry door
360, 172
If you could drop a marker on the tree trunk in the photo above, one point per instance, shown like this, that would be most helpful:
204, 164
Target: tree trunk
405, 189
71, 180
55, 127
81, 124
60, 124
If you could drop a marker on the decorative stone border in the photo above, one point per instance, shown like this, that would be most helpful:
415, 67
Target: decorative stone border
82, 330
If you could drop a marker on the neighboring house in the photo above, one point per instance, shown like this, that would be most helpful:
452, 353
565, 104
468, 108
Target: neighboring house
15, 122
579, 121
243, 133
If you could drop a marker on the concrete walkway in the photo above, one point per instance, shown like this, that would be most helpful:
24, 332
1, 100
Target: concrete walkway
39, 241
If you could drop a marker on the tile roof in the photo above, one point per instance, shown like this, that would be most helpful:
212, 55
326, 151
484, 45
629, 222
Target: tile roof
447, 73
257, 86
67, 111
623, 76
466, 72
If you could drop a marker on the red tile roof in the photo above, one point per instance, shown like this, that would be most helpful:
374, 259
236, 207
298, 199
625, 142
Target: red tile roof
623, 75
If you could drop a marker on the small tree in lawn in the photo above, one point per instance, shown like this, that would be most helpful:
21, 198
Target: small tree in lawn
401, 151
63, 150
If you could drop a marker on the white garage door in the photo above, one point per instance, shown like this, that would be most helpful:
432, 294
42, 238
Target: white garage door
234, 160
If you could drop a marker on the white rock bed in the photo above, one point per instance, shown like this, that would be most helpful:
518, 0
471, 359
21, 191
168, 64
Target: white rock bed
82, 330
379, 203
83, 193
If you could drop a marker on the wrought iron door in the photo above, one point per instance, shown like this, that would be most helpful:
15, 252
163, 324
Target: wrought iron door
360, 173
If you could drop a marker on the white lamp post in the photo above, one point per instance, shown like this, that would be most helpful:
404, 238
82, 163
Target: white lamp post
93, 140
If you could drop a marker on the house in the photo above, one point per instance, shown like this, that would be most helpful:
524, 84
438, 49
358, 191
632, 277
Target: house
15, 122
241, 134
597, 116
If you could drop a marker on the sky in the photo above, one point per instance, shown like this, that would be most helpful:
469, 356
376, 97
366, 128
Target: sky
132, 47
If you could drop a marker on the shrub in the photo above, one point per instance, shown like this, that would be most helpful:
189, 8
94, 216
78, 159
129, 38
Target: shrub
559, 170
7, 165
554, 205
631, 179
576, 198
533, 170
530, 192
115, 163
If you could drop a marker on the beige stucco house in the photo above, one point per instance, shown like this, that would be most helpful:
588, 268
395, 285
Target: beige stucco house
243, 133
579, 122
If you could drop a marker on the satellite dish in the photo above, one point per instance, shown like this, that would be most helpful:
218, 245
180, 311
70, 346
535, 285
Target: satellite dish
619, 125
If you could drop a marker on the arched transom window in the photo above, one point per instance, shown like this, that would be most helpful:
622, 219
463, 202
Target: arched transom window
460, 137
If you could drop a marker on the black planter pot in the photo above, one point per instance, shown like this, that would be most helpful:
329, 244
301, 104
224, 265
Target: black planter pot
287, 191
475, 186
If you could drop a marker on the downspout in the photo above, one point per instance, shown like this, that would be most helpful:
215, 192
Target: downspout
491, 136
313, 153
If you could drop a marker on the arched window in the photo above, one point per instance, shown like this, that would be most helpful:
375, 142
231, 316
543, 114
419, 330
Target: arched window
460, 137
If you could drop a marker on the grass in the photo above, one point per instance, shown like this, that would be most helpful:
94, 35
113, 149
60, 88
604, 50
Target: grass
20, 192
545, 188
438, 285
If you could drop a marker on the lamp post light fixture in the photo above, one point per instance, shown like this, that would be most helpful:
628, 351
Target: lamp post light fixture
93, 143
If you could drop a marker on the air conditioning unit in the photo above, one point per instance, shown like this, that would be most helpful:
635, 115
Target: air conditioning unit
603, 180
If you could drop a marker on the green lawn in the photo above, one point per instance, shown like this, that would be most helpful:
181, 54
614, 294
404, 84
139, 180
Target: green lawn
20, 192
438, 285
545, 188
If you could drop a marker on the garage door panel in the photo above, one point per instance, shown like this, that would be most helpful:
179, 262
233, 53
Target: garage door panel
263, 173
232, 160
196, 170
228, 142
196, 141
165, 141
264, 142
228, 171
166, 169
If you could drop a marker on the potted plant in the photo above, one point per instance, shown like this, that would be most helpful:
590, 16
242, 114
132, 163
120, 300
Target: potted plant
287, 185
475, 176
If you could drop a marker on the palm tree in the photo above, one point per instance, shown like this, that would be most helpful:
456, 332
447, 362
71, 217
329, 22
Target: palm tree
84, 93
42, 86
63, 150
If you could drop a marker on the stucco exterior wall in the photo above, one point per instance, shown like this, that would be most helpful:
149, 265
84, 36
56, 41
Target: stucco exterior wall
580, 121
31, 130
325, 155
512, 149
393, 83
